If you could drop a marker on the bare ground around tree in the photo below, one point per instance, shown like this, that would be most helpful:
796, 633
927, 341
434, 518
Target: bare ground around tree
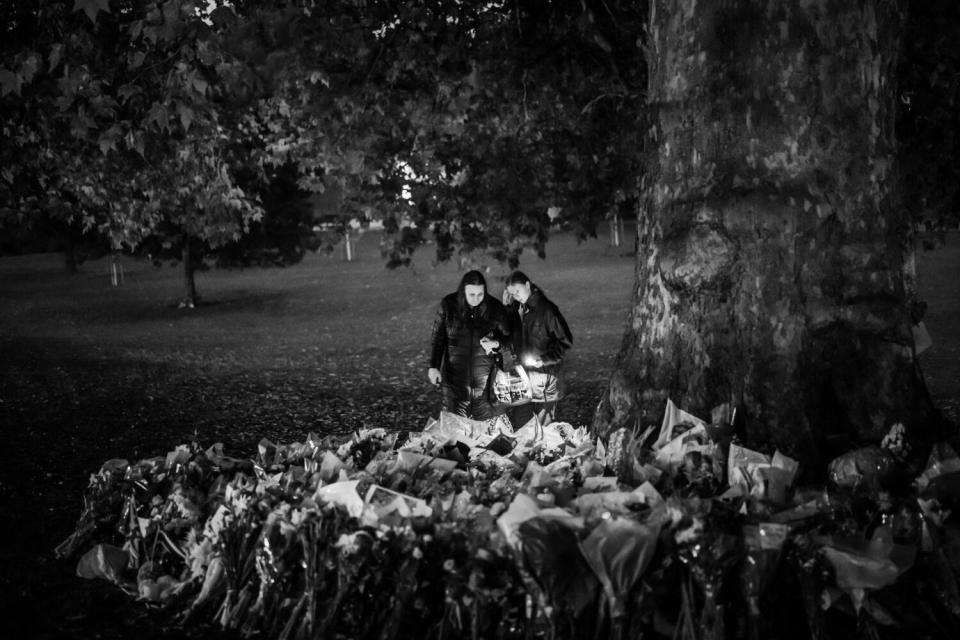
89, 372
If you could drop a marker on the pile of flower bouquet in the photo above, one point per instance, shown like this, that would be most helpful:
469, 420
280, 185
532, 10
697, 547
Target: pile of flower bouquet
472, 529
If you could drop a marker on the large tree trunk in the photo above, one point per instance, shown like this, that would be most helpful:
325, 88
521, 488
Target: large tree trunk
769, 271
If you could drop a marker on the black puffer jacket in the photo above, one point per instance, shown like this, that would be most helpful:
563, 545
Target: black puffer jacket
455, 346
540, 330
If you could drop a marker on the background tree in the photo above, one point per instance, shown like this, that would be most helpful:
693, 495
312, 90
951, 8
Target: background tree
287, 229
471, 121
122, 108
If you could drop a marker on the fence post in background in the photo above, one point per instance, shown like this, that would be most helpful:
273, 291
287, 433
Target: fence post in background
116, 271
616, 230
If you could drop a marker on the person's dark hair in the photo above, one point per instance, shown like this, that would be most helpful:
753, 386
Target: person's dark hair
470, 277
518, 277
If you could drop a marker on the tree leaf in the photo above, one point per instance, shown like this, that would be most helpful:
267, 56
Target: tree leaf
29, 68
9, 82
128, 90
107, 144
136, 59
186, 115
108, 141
602, 42
158, 114
92, 8
56, 51
223, 17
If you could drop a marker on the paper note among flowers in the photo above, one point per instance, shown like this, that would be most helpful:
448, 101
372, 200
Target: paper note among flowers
386, 502
751, 473
670, 449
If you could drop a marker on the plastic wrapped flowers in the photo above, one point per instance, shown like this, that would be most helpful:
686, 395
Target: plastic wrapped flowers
472, 529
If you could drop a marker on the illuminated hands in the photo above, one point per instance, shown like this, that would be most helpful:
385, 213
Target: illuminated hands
531, 360
489, 345
506, 297
434, 375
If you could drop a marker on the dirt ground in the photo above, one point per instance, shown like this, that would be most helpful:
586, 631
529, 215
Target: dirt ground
90, 372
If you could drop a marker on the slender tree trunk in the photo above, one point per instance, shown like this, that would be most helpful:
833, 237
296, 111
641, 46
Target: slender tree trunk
189, 269
769, 271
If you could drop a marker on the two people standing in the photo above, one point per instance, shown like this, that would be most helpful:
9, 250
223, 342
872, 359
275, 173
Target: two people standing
469, 332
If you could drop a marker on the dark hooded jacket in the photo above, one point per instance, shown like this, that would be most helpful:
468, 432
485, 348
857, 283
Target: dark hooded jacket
539, 329
455, 345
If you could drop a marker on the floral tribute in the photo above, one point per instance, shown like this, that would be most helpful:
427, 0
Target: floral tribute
473, 530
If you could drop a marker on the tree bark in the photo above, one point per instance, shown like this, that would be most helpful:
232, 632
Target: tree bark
770, 263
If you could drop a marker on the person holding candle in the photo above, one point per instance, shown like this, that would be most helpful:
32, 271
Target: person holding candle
540, 338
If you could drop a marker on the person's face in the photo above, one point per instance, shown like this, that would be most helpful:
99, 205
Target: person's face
474, 294
520, 291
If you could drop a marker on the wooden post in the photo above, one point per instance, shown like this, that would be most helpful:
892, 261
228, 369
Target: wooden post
616, 230
348, 245
116, 271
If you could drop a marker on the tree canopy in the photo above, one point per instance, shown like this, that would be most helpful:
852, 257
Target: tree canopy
472, 123
118, 114
478, 126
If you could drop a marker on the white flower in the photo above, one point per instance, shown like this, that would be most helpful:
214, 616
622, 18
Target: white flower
347, 543
690, 533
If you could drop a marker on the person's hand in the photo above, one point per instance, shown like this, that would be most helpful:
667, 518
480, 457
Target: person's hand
434, 375
506, 298
533, 361
489, 345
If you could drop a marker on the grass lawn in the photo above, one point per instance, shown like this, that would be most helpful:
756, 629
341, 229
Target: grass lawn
89, 371
324, 332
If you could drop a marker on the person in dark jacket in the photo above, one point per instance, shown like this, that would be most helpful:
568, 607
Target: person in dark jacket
540, 338
468, 330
